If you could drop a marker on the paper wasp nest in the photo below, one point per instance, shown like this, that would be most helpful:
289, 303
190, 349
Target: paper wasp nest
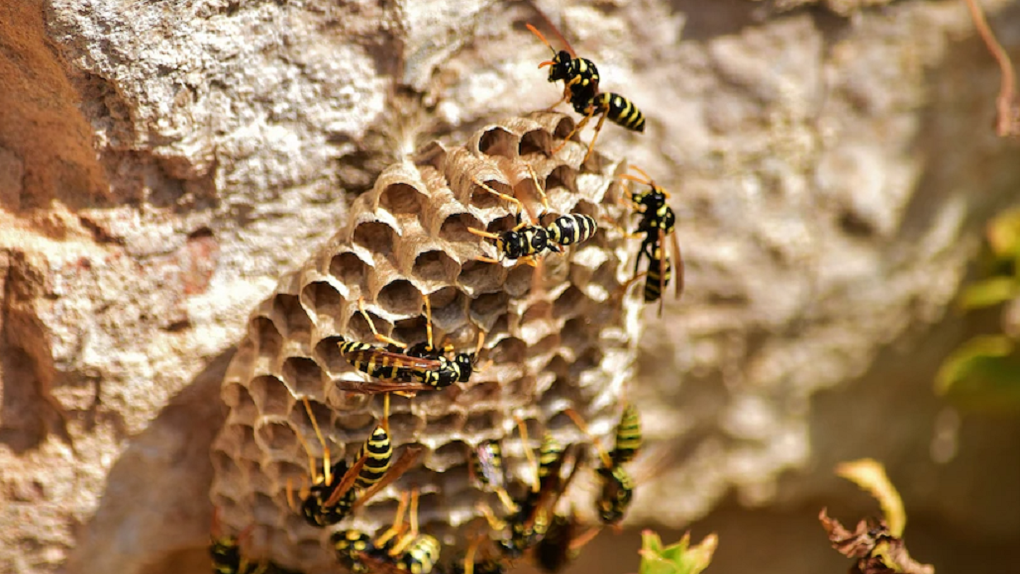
561, 339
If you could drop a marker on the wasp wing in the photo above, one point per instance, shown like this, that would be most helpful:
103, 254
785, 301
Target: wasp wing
386, 358
678, 257
403, 464
346, 482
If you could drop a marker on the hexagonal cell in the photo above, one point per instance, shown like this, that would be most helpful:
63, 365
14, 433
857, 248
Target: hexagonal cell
480, 422
519, 281
434, 266
239, 400
327, 354
449, 455
288, 312
324, 299
569, 303
561, 177
402, 199
497, 141
359, 329
276, 436
535, 142
404, 425
270, 395
350, 270
455, 228
263, 508
509, 351
399, 297
478, 277
302, 376
482, 198
267, 337
376, 237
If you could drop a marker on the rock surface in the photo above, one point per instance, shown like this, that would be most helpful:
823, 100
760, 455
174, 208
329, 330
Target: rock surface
162, 164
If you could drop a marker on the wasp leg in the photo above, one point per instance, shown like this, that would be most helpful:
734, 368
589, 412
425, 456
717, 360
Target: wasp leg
371, 325
495, 523
528, 453
327, 476
538, 188
397, 527
607, 461
510, 198
598, 128
577, 128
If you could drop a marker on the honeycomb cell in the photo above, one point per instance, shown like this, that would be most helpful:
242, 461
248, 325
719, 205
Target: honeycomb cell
569, 303
302, 376
449, 455
327, 354
519, 281
535, 142
402, 199
455, 228
483, 199
478, 277
561, 177
483, 422
275, 436
497, 141
324, 299
270, 396
375, 237
399, 297
288, 313
267, 336
350, 270
434, 266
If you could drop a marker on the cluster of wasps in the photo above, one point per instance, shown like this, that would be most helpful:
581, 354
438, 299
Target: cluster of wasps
529, 523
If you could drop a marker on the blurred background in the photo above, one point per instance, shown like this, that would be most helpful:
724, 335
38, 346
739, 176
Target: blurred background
843, 208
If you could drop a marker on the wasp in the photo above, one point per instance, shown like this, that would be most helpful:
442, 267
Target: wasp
562, 543
530, 517
617, 484
487, 468
395, 551
581, 88
657, 223
225, 551
526, 241
334, 494
422, 367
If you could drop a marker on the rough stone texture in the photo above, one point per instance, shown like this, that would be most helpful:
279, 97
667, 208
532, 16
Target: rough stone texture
163, 164
556, 336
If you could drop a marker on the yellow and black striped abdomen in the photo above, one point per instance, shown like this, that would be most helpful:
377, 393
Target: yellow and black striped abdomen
657, 272
622, 111
378, 453
378, 365
628, 436
550, 459
421, 556
571, 228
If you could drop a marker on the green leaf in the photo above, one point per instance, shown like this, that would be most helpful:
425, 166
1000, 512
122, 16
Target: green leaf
983, 374
1004, 234
989, 292
678, 558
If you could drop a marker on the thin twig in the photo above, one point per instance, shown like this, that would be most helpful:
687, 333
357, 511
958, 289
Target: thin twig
1008, 110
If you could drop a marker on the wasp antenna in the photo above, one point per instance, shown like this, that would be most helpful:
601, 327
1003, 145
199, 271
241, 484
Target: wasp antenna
541, 37
644, 173
555, 30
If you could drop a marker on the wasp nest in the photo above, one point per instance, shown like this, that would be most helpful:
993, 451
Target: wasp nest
556, 336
